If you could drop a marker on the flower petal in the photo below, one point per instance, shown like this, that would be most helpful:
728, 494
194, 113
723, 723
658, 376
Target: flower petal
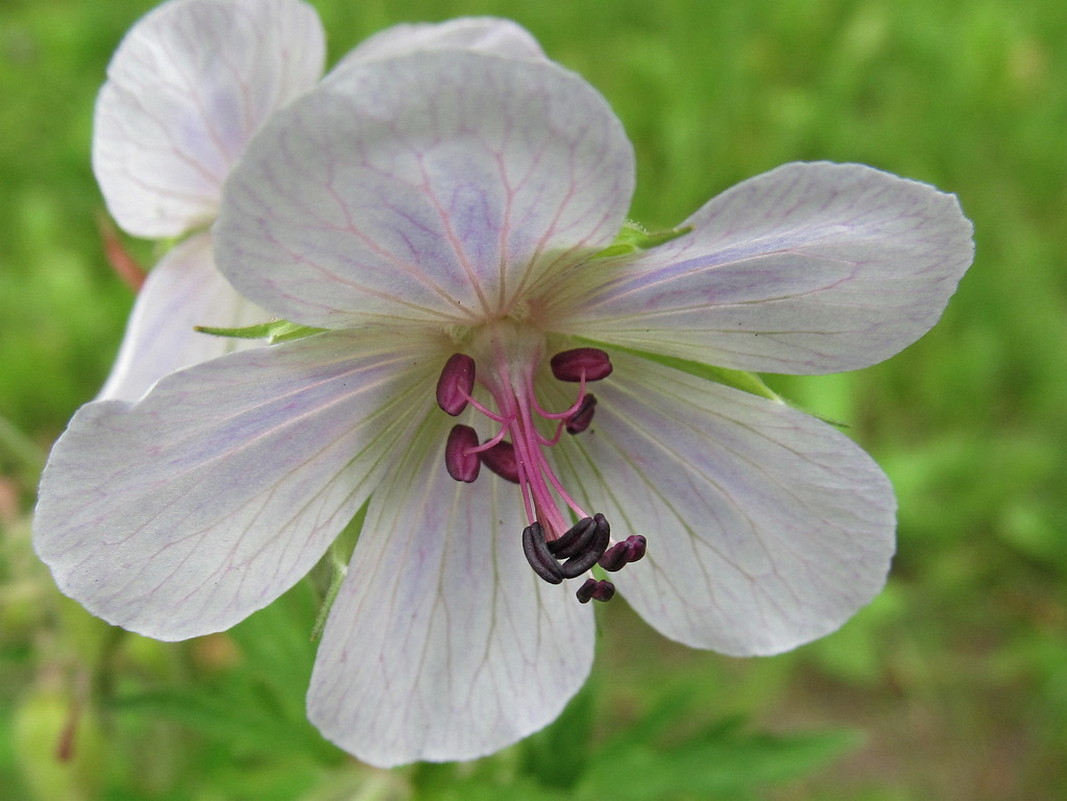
438, 186
187, 88
489, 34
766, 527
183, 513
809, 268
182, 291
443, 644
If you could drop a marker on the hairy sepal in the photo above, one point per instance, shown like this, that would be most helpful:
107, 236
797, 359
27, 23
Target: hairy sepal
634, 237
274, 331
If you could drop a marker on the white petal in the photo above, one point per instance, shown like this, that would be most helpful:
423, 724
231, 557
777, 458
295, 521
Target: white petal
766, 527
183, 513
438, 186
443, 644
489, 34
184, 290
809, 268
187, 88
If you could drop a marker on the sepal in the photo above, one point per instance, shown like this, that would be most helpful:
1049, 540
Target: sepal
274, 332
634, 237
737, 379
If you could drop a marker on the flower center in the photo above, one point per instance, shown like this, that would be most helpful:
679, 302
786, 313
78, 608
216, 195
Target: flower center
506, 360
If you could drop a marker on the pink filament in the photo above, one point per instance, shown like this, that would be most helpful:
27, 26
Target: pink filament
516, 410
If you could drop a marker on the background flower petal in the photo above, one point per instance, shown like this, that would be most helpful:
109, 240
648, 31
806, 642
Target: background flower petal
809, 268
437, 186
766, 527
443, 644
186, 89
490, 34
182, 291
183, 513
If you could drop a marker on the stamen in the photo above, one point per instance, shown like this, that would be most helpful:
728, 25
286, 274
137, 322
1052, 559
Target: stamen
589, 364
536, 550
583, 416
460, 460
555, 415
594, 590
455, 383
500, 458
581, 562
509, 357
622, 553
575, 540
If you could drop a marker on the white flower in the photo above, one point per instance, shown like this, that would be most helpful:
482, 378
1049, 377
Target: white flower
187, 89
456, 202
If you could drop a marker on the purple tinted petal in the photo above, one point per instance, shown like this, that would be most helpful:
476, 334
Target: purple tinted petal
488, 34
443, 644
187, 88
181, 514
765, 527
442, 187
809, 268
184, 290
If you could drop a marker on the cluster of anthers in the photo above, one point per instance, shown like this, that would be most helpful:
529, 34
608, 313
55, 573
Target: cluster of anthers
555, 549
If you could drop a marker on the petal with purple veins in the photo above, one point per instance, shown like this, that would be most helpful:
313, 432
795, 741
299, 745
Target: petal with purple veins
186, 89
440, 187
183, 291
488, 34
183, 513
809, 268
443, 644
765, 527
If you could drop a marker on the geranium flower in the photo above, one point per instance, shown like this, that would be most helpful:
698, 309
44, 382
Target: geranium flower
187, 89
450, 220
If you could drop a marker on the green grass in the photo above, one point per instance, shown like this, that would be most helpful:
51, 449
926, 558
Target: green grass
957, 675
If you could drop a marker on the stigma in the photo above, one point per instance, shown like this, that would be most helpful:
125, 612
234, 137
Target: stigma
505, 360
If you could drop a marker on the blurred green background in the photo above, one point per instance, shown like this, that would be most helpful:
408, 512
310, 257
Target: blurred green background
951, 685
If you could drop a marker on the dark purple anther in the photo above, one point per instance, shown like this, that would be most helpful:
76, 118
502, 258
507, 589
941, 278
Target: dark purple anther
573, 365
574, 540
605, 591
622, 553
455, 384
637, 544
615, 558
581, 562
536, 551
501, 460
461, 463
583, 416
594, 590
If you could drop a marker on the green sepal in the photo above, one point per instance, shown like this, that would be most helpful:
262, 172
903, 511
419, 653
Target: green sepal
633, 237
274, 331
336, 564
738, 379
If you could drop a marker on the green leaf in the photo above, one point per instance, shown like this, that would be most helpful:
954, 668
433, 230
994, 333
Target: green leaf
274, 331
720, 761
483, 788
732, 767
258, 703
558, 754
